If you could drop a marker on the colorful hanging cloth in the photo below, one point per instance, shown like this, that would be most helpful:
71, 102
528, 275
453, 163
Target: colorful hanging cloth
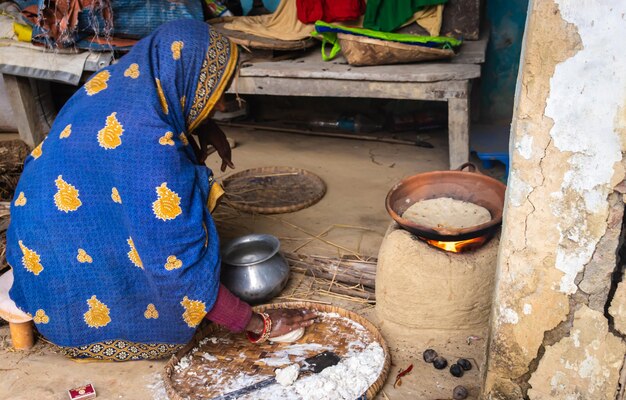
310, 11
282, 25
389, 15
102, 24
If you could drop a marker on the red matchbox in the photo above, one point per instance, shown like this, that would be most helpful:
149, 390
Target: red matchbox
82, 393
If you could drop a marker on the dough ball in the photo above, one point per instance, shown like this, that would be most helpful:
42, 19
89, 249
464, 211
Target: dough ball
287, 375
289, 337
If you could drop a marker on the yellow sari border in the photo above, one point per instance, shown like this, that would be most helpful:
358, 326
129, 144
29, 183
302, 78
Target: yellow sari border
119, 350
216, 192
219, 90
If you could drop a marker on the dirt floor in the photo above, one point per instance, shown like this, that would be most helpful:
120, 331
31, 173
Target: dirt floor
358, 176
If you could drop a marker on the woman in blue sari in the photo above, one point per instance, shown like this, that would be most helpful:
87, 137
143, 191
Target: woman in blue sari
112, 244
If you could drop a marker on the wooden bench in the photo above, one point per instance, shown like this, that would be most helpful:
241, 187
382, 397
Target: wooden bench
310, 76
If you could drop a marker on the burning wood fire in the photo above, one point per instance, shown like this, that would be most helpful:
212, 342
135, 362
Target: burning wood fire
459, 246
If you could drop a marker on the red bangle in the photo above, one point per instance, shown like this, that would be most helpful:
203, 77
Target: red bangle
265, 334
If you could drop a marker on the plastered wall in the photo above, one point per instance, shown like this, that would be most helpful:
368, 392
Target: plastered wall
558, 322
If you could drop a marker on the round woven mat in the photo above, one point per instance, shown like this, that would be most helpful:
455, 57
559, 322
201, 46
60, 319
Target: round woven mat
216, 358
273, 190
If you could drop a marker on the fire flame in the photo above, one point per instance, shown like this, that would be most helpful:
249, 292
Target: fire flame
459, 246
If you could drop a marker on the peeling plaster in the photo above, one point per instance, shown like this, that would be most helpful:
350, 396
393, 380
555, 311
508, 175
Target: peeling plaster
525, 146
575, 335
508, 316
585, 365
518, 190
528, 309
557, 382
558, 209
573, 109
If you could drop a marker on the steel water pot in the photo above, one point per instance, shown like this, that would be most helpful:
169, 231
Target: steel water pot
253, 268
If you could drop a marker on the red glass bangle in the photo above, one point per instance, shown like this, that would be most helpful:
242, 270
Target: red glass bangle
265, 334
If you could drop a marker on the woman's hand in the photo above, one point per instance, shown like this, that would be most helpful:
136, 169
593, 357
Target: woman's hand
210, 134
283, 321
287, 320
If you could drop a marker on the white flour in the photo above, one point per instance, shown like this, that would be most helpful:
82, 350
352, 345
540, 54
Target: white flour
209, 357
183, 364
276, 361
157, 388
297, 351
240, 381
345, 381
357, 370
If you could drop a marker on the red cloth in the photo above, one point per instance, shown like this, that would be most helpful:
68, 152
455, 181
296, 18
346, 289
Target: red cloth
229, 311
310, 11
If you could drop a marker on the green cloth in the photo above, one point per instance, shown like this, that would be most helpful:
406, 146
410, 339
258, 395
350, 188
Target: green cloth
389, 15
441, 41
329, 35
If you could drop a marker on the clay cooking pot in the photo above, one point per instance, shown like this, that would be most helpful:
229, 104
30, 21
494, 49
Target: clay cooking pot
470, 186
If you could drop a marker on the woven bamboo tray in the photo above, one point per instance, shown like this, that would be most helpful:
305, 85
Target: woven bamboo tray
360, 50
273, 190
228, 351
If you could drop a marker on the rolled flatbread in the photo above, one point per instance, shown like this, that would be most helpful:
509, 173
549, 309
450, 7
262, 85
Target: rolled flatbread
447, 213
289, 337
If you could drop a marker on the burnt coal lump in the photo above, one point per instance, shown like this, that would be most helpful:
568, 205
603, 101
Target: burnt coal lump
440, 362
430, 355
465, 364
460, 393
456, 370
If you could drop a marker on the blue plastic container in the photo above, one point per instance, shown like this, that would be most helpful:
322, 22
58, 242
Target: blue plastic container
491, 144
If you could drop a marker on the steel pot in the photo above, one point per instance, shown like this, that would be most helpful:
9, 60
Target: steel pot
253, 269
470, 186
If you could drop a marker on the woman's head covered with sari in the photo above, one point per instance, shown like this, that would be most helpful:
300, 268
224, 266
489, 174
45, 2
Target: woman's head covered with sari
111, 236
190, 66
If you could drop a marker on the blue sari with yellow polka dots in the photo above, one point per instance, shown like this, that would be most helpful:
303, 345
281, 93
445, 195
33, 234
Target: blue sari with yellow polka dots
113, 248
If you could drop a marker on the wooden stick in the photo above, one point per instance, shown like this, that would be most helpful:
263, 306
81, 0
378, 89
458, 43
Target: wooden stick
349, 295
349, 290
304, 299
350, 272
327, 134
345, 276
276, 174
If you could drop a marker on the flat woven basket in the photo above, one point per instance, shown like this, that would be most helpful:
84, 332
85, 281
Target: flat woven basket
360, 50
230, 354
273, 190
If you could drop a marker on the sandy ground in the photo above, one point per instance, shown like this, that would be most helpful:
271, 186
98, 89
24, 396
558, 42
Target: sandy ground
358, 175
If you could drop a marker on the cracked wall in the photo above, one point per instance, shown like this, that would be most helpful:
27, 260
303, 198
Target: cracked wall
564, 210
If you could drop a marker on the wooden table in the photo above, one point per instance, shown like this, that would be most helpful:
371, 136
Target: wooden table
310, 76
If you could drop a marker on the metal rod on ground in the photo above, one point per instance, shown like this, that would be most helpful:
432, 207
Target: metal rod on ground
418, 143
